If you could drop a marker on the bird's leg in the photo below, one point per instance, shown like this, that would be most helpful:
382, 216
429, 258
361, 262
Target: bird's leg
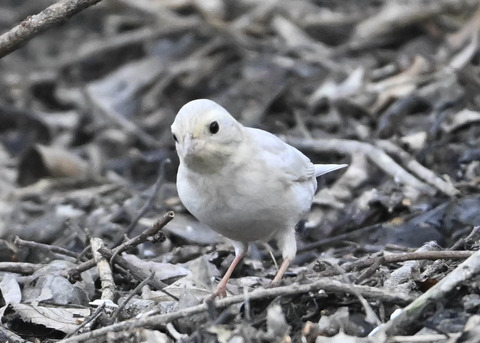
240, 250
222, 285
283, 268
288, 245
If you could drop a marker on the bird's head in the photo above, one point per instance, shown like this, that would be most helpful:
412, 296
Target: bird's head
205, 135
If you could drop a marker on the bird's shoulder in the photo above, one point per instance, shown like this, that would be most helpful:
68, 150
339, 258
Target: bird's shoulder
281, 156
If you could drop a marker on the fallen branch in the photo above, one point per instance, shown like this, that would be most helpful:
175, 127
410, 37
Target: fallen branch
20, 267
33, 25
46, 247
104, 271
413, 165
410, 314
326, 284
425, 338
409, 256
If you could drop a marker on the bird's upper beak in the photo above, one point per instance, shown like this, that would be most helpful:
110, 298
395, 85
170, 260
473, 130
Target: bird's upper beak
191, 145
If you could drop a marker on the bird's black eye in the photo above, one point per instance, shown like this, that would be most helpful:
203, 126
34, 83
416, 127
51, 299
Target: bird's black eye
174, 137
214, 127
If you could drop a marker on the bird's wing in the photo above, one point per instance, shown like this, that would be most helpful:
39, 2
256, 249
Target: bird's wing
321, 169
286, 159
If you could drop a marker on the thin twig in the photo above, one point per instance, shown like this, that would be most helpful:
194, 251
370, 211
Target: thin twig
465, 242
145, 235
51, 248
83, 254
371, 269
74, 273
130, 296
149, 203
370, 314
33, 25
89, 319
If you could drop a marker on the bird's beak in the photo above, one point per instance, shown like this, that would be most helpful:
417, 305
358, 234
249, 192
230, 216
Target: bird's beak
191, 145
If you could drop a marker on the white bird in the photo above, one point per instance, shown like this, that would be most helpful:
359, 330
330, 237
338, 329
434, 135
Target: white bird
245, 183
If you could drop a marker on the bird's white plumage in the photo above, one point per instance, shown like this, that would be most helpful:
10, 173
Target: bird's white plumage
245, 183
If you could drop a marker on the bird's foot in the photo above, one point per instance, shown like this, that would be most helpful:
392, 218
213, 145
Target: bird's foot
273, 284
221, 292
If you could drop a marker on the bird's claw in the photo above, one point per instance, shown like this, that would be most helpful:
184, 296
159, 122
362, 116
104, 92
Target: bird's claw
272, 284
221, 292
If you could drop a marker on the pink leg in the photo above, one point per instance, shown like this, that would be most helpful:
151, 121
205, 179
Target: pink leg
288, 245
281, 271
222, 285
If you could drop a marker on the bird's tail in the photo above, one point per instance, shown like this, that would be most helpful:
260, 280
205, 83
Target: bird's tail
321, 169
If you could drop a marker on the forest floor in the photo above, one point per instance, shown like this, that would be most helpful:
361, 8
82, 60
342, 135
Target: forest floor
95, 244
